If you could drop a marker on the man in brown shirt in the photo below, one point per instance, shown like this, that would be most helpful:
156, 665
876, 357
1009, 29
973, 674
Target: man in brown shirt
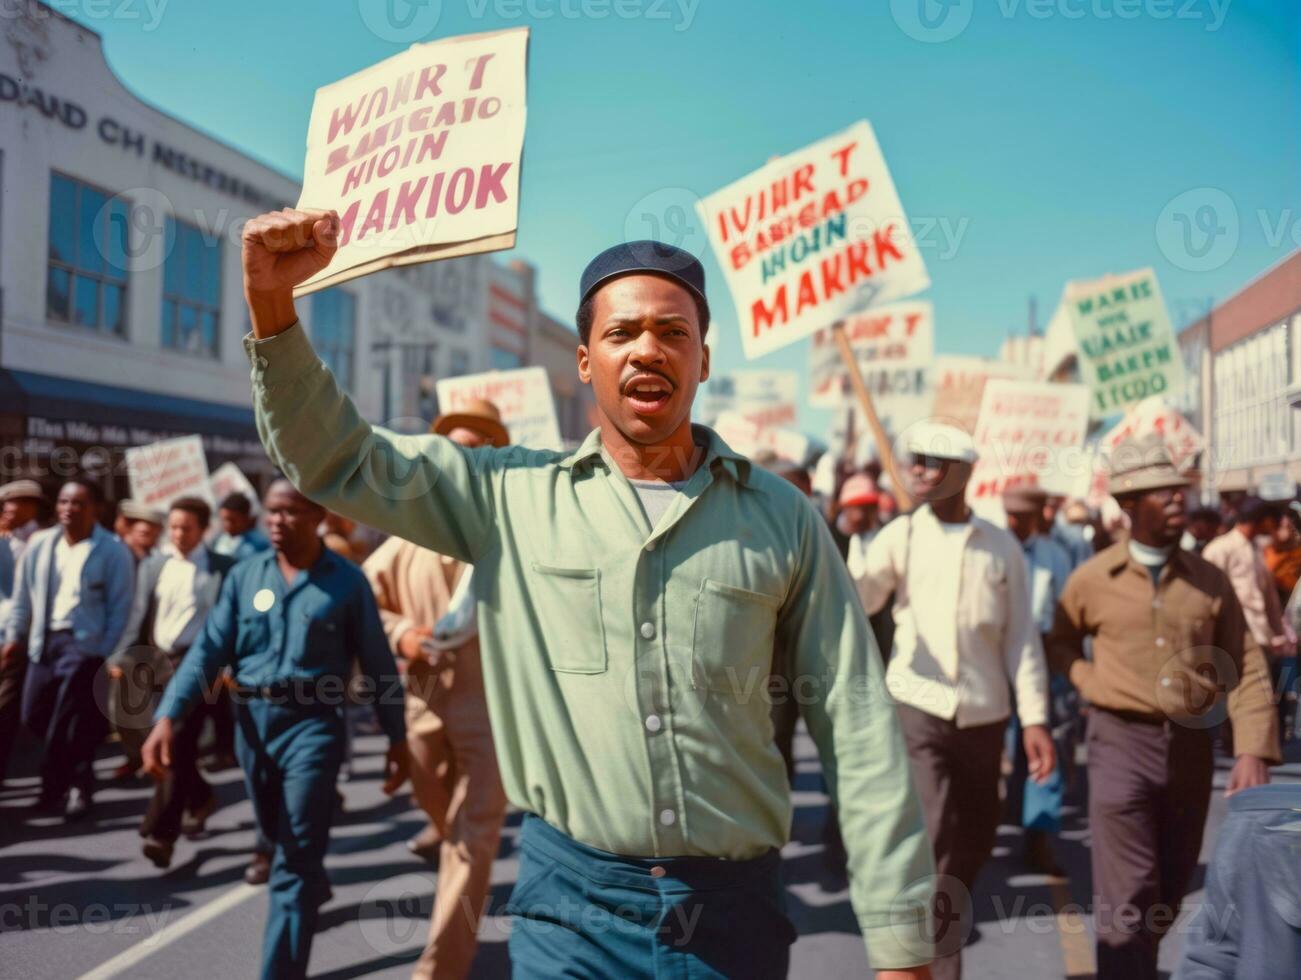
454, 774
1171, 655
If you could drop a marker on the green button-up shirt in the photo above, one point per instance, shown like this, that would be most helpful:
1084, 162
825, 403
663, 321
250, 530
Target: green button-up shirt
626, 666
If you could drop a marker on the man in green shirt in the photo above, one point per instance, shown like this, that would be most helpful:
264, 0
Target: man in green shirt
630, 598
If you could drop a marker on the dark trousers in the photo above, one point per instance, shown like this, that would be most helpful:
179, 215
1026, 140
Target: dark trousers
183, 788
583, 912
12, 673
65, 703
956, 772
1149, 790
291, 757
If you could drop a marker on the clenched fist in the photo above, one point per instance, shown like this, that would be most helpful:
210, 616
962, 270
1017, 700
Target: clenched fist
282, 249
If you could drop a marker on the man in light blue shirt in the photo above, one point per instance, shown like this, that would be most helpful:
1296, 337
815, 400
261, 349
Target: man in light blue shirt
1038, 806
70, 606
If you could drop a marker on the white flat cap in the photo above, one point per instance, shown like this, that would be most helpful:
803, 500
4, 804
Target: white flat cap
940, 440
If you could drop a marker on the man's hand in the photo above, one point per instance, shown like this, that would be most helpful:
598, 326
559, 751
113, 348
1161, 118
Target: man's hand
409, 643
397, 766
156, 753
1039, 751
1248, 771
282, 249
912, 973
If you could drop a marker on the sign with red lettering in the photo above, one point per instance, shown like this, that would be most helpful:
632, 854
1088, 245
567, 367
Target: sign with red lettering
811, 238
163, 471
1154, 415
960, 386
749, 439
420, 154
229, 478
1030, 433
522, 396
894, 346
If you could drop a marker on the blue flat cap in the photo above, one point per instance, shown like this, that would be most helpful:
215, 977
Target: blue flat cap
653, 257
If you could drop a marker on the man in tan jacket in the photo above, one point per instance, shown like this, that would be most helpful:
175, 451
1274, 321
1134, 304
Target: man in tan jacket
453, 765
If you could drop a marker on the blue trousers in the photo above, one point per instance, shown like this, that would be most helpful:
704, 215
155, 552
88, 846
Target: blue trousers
582, 912
291, 756
1039, 806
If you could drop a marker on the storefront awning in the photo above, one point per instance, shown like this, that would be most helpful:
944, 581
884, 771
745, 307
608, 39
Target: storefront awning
31, 394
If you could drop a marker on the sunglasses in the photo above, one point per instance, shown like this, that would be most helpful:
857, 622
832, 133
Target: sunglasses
929, 462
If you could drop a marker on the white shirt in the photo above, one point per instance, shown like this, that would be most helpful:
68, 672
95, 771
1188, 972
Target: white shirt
856, 556
69, 560
963, 628
181, 607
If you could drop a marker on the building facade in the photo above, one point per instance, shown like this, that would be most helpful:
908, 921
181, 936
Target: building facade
1245, 358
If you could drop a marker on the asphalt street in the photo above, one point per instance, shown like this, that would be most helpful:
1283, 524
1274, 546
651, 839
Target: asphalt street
78, 900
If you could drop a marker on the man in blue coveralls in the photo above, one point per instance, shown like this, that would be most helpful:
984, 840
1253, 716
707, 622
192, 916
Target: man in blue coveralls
289, 623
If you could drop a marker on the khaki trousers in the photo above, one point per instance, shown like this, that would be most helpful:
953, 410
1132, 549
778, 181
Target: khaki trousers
455, 781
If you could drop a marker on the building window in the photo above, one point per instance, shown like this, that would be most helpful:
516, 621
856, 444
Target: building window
459, 363
505, 360
191, 289
86, 278
334, 332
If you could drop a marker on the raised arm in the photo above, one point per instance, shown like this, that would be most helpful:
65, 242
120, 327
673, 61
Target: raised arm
853, 722
424, 488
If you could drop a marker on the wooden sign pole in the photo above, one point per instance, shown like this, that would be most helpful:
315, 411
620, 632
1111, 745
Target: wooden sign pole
883, 447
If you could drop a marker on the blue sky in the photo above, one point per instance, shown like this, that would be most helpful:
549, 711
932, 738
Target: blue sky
1044, 140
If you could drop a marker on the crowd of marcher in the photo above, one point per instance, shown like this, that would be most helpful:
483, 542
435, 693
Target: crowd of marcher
615, 664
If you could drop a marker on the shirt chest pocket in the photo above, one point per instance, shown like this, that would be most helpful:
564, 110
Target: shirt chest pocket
732, 641
254, 634
324, 632
986, 593
567, 603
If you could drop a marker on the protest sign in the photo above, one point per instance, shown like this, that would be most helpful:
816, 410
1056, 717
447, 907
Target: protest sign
1029, 434
229, 478
748, 439
767, 398
420, 154
811, 238
523, 397
1126, 346
960, 387
1155, 415
162, 471
894, 346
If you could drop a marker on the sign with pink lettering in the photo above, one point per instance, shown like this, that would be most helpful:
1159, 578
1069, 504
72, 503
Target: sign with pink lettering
811, 238
420, 154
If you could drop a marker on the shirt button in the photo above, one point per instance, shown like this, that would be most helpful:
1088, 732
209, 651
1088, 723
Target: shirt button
653, 723
658, 872
1165, 681
650, 545
648, 630
668, 818
1160, 641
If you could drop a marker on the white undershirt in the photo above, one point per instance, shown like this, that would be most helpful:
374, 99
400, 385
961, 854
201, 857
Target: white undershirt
934, 581
69, 560
179, 612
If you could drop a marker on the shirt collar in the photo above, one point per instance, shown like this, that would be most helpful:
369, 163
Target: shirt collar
1120, 558
717, 453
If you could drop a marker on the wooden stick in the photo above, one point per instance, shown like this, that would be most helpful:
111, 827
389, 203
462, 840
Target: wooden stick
883, 447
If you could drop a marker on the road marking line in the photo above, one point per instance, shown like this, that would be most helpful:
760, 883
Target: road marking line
172, 932
1072, 933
